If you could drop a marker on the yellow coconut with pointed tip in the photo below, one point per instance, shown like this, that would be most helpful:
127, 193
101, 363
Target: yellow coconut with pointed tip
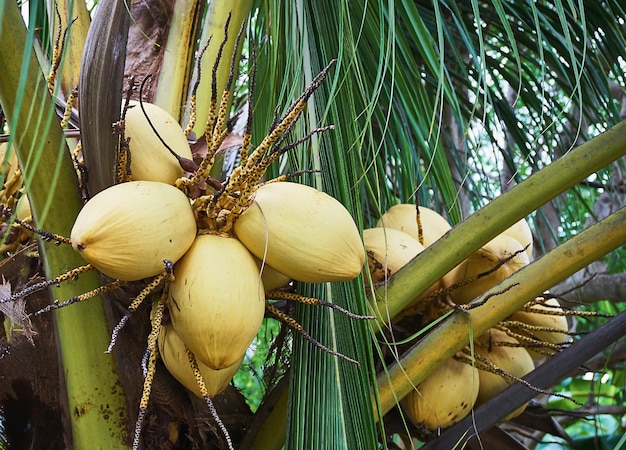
303, 233
150, 159
126, 231
174, 356
445, 397
403, 217
501, 350
217, 300
485, 260
553, 327
388, 250
522, 233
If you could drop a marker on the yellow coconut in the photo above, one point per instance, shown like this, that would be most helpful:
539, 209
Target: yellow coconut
11, 158
127, 230
22, 210
521, 232
402, 217
445, 397
388, 250
272, 278
150, 159
4, 146
174, 356
217, 300
485, 260
302, 232
513, 360
544, 315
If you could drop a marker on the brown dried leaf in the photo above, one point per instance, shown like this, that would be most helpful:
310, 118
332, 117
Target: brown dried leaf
147, 36
15, 312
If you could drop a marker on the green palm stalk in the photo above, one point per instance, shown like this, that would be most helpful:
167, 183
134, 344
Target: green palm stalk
96, 401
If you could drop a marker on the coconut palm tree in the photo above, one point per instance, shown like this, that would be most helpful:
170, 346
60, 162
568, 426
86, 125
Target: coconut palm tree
487, 113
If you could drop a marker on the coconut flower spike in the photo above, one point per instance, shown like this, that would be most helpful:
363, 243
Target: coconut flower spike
205, 395
291, 116
82, 297
292, 296
149, 365
166, 275
194, 90
298, 328
45, 235
70, 275
247, 135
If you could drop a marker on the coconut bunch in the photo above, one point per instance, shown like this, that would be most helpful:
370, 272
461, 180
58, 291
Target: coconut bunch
510, 350
221, 248
404, 231
469, 379
216, 250
505, 353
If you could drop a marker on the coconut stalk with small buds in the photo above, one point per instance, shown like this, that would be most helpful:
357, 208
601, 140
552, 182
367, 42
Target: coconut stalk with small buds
545, 322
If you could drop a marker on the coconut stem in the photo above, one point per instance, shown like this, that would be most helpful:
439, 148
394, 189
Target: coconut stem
292, 296
205, 394
82, 297
149, 365
72, 274
297, 327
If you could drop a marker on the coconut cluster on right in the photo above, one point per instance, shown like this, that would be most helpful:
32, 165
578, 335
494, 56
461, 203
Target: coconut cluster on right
503, 354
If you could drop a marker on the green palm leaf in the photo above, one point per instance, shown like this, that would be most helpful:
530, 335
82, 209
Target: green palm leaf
329, 403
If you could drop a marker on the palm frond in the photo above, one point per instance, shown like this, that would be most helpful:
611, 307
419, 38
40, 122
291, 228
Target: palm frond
334, 393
